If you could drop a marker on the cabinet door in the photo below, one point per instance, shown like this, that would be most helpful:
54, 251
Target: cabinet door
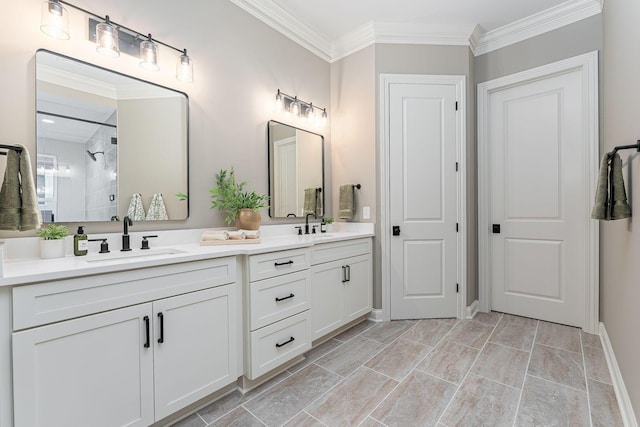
358, 289
326, 298
91, 371
197, 355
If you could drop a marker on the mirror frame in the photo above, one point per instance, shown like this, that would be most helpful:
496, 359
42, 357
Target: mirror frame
269, 169
187, 117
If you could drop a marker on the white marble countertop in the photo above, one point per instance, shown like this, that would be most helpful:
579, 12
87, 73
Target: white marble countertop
167, 249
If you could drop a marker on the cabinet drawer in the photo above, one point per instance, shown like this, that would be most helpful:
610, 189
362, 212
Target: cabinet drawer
327, 252
264, 266
279, 297
278, 343
49, 302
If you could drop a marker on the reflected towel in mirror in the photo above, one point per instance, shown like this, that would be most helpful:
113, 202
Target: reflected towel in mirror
136, 209
157, 210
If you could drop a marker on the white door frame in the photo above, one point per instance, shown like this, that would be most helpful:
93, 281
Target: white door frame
587, 64
386, 80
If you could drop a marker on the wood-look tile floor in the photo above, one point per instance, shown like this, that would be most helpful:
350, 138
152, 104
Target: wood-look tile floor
494, 370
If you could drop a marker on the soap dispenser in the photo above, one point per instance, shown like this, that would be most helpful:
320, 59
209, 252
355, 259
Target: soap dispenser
80, 243
323, 226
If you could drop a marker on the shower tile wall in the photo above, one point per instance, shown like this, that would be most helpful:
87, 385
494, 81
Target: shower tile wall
102, 175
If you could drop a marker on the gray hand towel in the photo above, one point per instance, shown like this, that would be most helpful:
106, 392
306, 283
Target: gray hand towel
346, 205
600, 207
318, 202
309, 201
30, 216
617, 195
10, 202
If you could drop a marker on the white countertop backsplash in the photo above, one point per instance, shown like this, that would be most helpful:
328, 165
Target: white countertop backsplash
22, 264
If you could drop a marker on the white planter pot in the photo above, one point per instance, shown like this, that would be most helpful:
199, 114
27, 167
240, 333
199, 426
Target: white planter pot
52, 248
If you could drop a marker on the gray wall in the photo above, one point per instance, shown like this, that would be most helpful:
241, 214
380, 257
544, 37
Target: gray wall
240, 62
620, 240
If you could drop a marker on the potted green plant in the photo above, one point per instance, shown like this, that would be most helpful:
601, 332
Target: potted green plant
239, 204
52, 243
328, 220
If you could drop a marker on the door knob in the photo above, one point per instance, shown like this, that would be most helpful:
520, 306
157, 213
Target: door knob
396, 230
496, 228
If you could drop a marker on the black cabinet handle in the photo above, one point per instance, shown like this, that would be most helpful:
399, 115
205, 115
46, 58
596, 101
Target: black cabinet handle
348, 273
161, 317
278, 264
344, 274
146, 323
284, 298
292, 339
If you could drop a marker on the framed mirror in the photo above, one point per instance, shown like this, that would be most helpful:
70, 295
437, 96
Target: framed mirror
103, 138
296, 171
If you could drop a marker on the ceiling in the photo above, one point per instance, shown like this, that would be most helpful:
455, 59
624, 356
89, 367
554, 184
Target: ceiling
335, 28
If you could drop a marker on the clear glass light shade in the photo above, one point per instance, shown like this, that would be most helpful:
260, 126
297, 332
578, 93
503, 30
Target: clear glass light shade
311, 114
55, 20
279, 104
149, 55
107, 39
294, 108
322, 120
184, 69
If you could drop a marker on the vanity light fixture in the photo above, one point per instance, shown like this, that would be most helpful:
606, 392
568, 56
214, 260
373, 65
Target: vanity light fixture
111, 38
301, 109
55, 20
149, 55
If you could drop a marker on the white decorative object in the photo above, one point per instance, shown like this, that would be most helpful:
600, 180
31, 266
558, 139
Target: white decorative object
52, 248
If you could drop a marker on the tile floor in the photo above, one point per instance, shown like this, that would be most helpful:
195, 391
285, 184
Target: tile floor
495, 370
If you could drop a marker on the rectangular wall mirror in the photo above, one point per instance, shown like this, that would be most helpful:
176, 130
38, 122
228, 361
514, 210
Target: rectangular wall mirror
103, 137
296, 171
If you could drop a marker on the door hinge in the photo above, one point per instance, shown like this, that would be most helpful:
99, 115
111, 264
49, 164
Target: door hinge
456, 166
457, 227
457, 288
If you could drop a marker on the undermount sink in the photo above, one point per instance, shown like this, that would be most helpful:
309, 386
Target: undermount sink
134, 254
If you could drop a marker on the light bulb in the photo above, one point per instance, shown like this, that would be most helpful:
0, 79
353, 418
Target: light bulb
323, 118
310, 113
279, 104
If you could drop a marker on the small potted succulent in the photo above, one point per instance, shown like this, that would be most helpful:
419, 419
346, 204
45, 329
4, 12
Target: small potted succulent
52, 244
239, 204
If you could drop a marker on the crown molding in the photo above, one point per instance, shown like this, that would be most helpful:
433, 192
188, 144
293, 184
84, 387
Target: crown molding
288, 25
80, 83
480, 43
534, 25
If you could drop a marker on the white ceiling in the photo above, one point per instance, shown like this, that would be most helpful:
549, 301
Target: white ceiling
335, 28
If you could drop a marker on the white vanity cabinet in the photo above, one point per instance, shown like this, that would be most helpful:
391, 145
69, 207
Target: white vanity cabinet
125, 365
341, 284
277, 309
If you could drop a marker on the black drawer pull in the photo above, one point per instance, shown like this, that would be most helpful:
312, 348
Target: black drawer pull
284, 298
292, 339
279, 264
344, 274
161, 317
146, 323
348, 273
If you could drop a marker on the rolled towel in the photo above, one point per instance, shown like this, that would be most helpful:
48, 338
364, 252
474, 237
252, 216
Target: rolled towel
251, 234
601, 204
215, 235
237, 235
346, 205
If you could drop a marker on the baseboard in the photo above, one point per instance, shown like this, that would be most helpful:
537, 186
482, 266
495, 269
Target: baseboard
472, 309
626, 410
376, 315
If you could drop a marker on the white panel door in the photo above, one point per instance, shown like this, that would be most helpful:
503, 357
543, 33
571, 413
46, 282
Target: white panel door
537, 157
92, 371
195, 347
423, 200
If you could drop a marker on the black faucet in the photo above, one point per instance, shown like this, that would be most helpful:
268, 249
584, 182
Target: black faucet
126, 244
306, 222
